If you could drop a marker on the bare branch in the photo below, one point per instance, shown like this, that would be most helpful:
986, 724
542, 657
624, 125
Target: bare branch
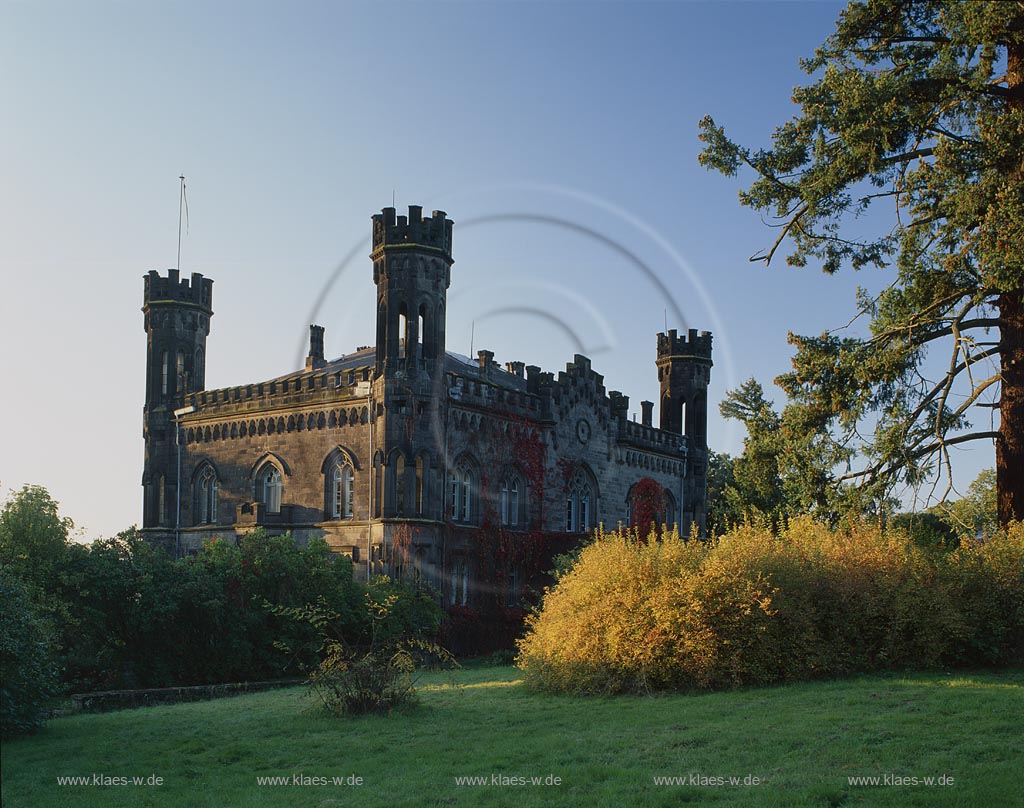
878, 468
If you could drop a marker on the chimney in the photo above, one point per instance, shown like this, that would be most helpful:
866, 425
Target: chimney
484, 358
316, 348
648, 410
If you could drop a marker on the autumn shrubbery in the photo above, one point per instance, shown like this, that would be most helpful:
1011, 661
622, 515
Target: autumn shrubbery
751, 608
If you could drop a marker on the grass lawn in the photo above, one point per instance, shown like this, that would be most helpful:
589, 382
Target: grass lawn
801, 741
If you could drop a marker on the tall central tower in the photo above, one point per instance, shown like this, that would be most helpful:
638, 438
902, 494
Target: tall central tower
412, 259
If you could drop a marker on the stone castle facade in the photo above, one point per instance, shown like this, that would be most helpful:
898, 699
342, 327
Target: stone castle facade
404, 456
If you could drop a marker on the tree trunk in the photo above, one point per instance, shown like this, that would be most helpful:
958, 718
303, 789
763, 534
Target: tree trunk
1010, 446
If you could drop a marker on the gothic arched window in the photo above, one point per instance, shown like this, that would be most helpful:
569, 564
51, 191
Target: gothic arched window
268, 488
206, 497
400, 485
161, 501
342, 490
463, 494
510, 501
579, 505
179, 373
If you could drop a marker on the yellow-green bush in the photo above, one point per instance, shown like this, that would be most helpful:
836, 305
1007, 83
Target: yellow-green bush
750, 608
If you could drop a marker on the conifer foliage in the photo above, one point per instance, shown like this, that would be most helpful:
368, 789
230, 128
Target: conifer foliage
915, 117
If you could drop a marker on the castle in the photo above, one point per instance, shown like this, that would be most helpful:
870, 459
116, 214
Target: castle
404, 456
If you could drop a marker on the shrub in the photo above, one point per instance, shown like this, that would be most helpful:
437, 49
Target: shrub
28, 676
751, 608
373, 670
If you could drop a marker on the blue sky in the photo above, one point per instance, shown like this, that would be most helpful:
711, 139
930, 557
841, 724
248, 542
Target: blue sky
560, 137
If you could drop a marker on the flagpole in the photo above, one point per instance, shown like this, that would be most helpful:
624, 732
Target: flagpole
181, 197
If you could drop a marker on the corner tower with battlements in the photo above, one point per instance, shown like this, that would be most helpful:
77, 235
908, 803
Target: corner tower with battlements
684, 372
177, 314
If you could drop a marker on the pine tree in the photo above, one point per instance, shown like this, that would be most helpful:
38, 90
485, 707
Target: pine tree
915, 116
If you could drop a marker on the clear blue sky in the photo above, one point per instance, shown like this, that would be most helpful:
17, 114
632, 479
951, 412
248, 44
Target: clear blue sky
560, 137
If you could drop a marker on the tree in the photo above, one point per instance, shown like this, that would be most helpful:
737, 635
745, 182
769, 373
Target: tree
28, 667
917, 105
975, 512
33, 536
721, 478
758, 486
784, 469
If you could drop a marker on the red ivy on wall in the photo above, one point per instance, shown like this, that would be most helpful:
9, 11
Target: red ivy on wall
648, 505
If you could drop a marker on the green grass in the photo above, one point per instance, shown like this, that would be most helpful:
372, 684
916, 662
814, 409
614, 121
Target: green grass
803, 741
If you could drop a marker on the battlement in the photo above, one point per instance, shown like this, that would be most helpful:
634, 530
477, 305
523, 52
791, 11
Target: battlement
692, 345
301, 388
644, 436
197, 292
434, 233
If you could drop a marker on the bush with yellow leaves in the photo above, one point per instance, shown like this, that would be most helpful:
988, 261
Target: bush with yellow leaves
750, 608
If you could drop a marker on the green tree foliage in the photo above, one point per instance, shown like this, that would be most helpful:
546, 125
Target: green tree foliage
784, 469
125, 614
757, 488
721, 478
28, 665
33, 536
915, 117
927, 529
976, 512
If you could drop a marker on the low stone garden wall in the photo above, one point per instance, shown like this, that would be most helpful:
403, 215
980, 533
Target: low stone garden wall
105, 701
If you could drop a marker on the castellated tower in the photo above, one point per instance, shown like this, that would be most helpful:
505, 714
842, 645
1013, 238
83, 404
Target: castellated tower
177, 321
684, 371
412, 258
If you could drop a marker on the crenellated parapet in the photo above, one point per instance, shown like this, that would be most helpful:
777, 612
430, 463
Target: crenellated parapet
298, 390
690, 346
412, 232
630, 433
196, 291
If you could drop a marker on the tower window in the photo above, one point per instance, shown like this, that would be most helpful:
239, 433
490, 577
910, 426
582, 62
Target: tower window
197, 369
179, 373
165, 371
268, 488
161, 501
419, 486
421, 326
400, 485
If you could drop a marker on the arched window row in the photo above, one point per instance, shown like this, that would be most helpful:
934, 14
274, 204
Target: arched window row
270, 426
642, 460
